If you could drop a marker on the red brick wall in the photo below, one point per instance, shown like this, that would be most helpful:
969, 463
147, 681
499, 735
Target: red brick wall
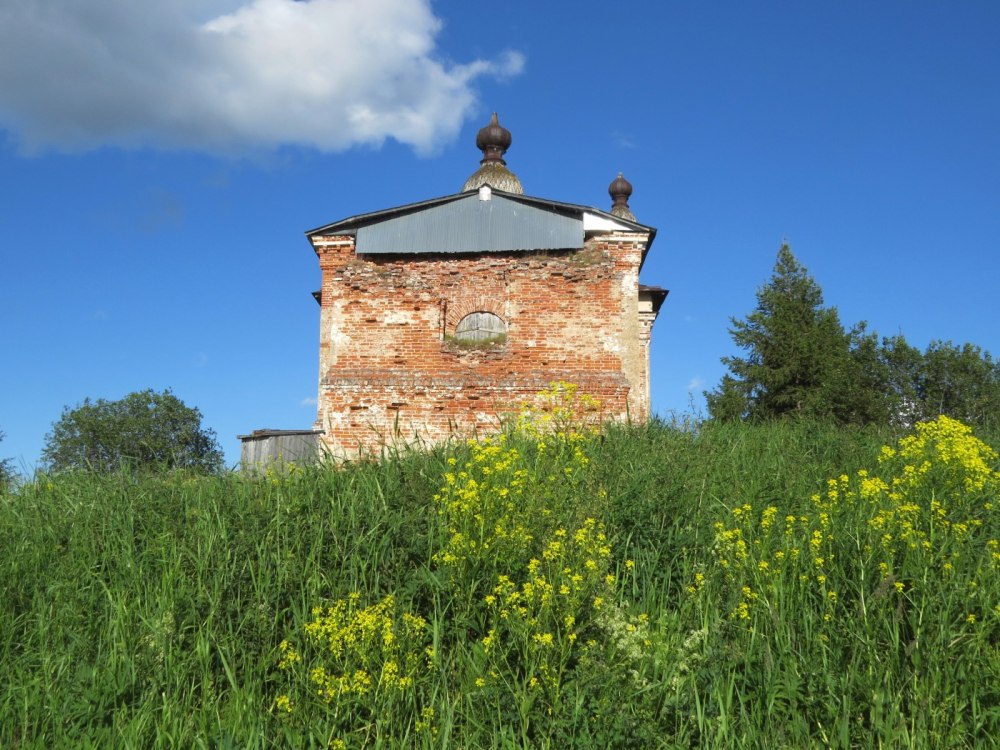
389, 372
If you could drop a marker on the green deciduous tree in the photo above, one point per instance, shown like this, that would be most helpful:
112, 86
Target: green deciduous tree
798, 357
900, 367
962, 382
887, 372
145, 429
904, 386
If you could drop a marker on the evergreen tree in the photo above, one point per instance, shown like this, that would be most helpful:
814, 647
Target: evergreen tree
799, 362
798, 359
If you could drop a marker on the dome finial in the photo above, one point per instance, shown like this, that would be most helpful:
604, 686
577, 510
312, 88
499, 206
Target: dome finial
494, 140
620, 189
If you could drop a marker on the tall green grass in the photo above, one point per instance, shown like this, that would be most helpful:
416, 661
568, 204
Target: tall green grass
150, 611
146, 611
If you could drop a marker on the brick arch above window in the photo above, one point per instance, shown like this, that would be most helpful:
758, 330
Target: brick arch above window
472, 304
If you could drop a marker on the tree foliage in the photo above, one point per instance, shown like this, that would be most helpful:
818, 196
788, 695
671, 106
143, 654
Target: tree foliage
145, 429
799, 361
798, 357
6, 472
960, 381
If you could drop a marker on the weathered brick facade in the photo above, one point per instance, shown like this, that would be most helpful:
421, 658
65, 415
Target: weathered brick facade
391, 370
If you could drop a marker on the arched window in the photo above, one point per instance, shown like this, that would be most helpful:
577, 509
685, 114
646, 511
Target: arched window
481, 328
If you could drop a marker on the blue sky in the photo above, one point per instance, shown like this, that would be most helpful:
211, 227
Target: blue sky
160, 166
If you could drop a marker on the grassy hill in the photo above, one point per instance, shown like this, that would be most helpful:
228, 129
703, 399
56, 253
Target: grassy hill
790, 585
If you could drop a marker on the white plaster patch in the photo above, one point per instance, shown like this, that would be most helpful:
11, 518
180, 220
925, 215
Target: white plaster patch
595, 223
336, 336
398, 317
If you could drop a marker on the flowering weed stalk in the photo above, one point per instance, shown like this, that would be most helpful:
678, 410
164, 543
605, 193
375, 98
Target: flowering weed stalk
886, 572
562, 409
360, 675
499, 507
524, 540
543, 626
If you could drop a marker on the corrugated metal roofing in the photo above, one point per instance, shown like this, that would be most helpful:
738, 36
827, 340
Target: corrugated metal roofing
350, 225
472, 225
569, 211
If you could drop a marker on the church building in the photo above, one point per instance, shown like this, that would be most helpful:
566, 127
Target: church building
440, 318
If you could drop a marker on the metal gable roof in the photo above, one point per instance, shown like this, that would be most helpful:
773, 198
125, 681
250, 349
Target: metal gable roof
472, 225
464, 223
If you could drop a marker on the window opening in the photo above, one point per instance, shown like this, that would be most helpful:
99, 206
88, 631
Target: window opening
481, 328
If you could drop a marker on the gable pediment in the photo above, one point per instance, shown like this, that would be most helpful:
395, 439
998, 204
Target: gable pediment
483, 221
472, 225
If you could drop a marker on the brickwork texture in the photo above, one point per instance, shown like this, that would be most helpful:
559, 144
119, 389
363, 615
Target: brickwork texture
391, 370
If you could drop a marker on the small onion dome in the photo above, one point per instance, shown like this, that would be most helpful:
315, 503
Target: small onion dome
493, 141
620, 189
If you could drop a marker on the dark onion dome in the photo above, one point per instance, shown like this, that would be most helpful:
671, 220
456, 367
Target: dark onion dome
620, 189
494, 140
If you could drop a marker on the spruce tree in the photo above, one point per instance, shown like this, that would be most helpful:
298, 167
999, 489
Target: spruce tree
797, 355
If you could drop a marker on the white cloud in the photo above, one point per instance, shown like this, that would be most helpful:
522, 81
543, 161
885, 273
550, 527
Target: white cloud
308, 402
228, 75
695, 384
